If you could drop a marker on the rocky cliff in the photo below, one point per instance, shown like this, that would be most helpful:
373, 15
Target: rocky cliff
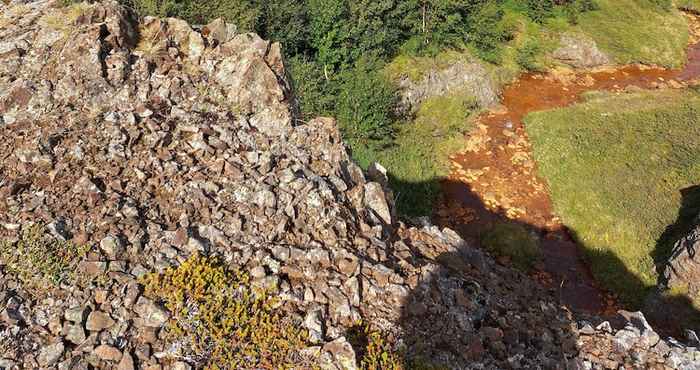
129, 147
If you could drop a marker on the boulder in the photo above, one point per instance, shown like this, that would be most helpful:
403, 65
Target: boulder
580, 51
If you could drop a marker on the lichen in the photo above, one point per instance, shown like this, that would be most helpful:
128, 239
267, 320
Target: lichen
224, 322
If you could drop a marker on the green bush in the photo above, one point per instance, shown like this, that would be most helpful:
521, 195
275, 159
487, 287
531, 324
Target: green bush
575, 8
488, 32
515, 242
528, 56
365, 103
245, 14
539, 10
315, 94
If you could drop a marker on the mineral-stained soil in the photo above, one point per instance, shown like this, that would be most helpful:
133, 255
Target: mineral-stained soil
495, 177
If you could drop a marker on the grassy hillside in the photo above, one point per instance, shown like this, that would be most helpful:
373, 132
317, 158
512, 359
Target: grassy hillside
615, 166
638, 31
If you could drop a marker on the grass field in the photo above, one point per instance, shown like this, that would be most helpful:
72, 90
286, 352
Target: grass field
616, 166
638, 31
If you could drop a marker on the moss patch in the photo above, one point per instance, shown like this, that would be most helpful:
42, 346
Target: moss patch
41, 261
616, 166
227, 325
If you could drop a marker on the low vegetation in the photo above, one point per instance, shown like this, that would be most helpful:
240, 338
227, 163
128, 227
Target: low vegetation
40, 260
616, 166
514, 242
414, 158
227, 324
643, 31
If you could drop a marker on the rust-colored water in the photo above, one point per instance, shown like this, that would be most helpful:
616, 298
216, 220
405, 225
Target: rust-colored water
495, 177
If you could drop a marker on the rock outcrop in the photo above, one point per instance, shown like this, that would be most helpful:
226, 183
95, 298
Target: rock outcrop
461, 77
150, 142
682, 272
580, 51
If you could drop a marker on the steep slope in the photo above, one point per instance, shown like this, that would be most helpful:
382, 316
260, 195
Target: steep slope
128, 148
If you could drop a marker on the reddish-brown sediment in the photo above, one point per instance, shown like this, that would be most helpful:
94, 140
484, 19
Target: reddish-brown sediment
495, 177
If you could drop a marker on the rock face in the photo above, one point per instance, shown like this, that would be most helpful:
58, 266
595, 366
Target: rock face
148, 142
580, 52
682, 272
470, 78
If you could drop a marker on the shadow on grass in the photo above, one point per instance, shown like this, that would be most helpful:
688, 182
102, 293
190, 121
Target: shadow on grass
675, 310
437, 329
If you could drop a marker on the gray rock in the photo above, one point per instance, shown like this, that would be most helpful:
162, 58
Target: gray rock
375, 200
49, 355
152, 314
112, 246
580, 51
466, 76
74, 333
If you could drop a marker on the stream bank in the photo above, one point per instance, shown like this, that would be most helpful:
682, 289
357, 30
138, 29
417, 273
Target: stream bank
494, 179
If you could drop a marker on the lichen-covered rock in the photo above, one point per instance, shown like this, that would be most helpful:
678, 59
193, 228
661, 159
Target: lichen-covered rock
682, 272
462, 77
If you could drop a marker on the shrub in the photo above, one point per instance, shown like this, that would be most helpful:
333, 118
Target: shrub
245, 14
574, 9
365, 102
515, 242
315, 95
539, 10
528, 56
488, 32
286, 22
227, 324
40, 260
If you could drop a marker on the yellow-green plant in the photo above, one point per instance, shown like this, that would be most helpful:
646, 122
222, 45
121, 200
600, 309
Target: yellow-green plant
40, 260
227, 324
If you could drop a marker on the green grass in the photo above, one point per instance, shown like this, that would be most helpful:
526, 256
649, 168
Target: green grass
417, 158
615, 167
637, 31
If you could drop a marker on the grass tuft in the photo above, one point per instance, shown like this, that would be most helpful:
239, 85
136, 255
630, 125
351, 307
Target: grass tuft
616, 166
227, 325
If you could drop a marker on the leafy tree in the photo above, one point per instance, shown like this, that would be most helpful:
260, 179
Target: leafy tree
539, 10
488, 31
373, 28
243, 13
329, 32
